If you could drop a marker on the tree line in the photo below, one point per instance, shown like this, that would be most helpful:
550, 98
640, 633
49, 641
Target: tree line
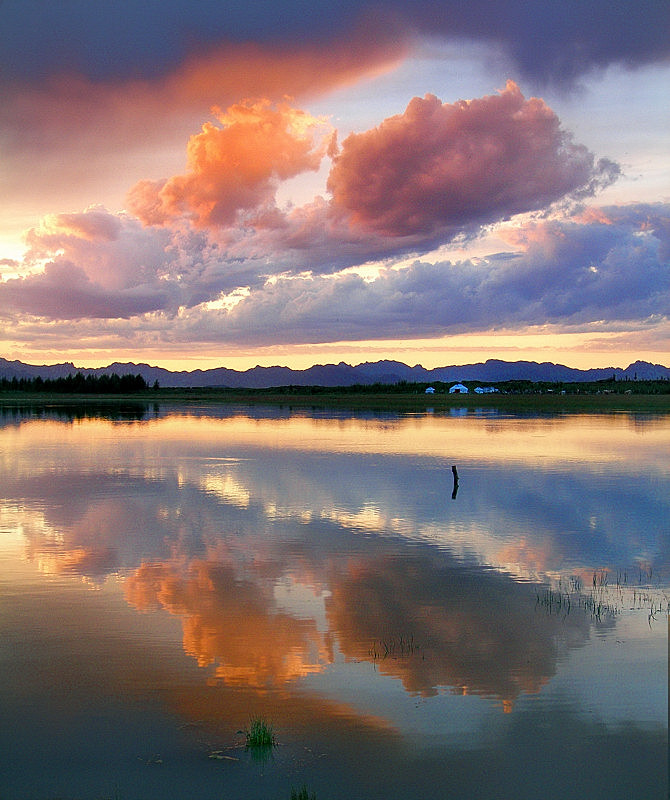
79, 384
521, 386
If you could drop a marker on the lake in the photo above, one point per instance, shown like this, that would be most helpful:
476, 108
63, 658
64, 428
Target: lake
169, 574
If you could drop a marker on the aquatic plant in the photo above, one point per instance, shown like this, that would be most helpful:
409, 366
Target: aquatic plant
260, 733
302, 794
605, 599
394, 647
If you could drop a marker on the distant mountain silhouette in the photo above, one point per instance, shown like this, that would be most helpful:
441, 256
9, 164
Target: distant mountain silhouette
490, 371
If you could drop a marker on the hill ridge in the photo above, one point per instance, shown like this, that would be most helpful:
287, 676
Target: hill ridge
384, 371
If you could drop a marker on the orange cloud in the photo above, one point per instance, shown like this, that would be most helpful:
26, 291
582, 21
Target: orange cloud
593, 215
235, 71
417, 180
68, 140
68, 110
236, 166
230, 623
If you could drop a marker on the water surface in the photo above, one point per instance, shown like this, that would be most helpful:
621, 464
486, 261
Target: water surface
166, 574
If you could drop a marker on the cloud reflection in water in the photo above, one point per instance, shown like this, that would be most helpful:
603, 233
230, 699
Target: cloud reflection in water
207, 518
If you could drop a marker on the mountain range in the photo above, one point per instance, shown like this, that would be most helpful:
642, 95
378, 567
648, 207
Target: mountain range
490, 371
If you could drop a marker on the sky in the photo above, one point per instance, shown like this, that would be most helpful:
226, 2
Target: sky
201, 184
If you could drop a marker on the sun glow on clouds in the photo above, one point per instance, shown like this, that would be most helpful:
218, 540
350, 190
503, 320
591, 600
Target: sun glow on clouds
395, 258
235, 166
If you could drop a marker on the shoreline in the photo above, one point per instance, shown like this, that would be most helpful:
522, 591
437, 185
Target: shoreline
362, 400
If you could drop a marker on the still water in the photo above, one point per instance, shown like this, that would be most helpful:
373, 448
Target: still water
168, 574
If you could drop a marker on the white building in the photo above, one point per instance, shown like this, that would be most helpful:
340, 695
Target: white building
430, 390
458, 388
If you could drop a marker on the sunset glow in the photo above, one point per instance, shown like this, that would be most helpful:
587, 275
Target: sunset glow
430, 183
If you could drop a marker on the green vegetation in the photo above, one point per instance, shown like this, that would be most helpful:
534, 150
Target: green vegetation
302, 794
607, 596
394, 647
411, 398
260, 733
517, 397
78, 384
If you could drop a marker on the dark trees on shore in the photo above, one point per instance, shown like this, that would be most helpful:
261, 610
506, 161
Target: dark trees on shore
78, 384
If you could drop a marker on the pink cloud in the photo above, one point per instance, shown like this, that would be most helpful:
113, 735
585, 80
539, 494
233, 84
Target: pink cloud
112, 250
69, 140
96, 224
94, 264
416, 181
64, 291
444, 167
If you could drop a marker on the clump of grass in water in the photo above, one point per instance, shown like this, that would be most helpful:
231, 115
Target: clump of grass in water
395, 647
302, 794
260, 734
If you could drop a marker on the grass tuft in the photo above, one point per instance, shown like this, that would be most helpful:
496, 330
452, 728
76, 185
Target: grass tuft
260, 733
302, 794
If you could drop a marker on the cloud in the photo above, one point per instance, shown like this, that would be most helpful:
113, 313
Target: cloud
96, 264
64, 291
109, 248
99, 265
446, 167
157, 36
211, 256
604, 266
554, 41
67, 110
549, 39
93, 137
372, 602
76, 82
565, 272
8, 265
235, 166
418, 180
215, 605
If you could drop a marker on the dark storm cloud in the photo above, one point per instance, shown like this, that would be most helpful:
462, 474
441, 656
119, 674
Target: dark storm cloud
551, 40
558, 40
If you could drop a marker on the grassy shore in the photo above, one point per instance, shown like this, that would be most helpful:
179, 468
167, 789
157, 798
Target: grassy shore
360, 400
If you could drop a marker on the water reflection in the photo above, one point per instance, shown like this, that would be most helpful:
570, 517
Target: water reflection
428, 623
473, 630
309, 567
108, 498
17, 413
231, 622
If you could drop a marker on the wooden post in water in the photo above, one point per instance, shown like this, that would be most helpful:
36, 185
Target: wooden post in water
455, 473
